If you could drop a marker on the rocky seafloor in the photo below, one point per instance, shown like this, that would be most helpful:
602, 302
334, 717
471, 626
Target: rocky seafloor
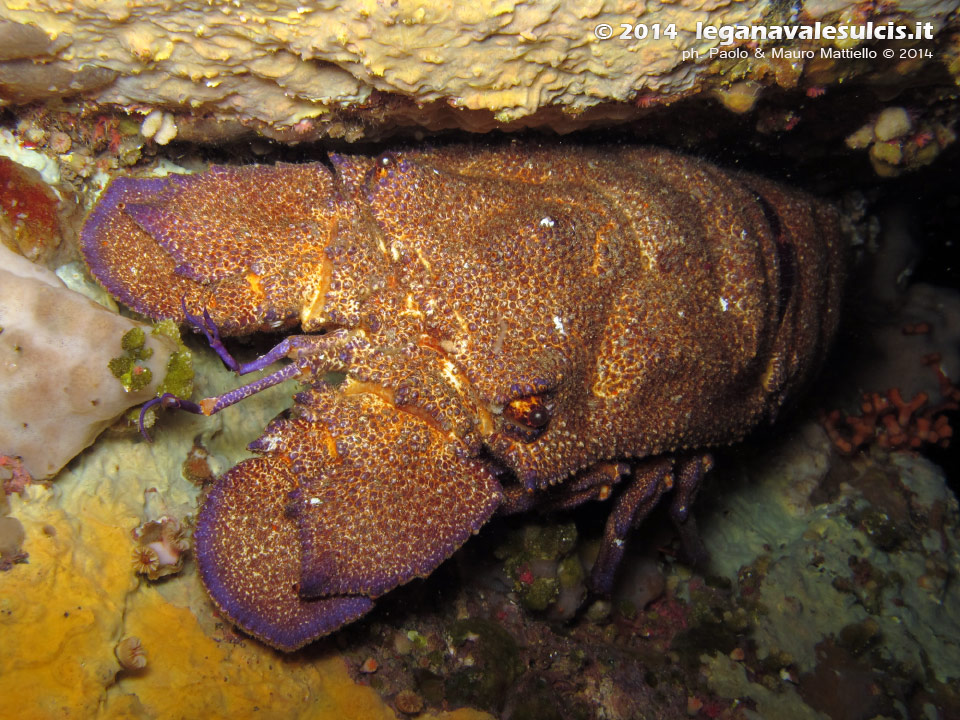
830, 593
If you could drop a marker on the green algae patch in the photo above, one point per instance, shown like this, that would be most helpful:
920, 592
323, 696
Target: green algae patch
546, 572
131, 366
128, 368
132, 341
178, 379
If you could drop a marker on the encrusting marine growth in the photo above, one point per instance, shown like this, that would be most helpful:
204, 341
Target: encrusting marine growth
516, 327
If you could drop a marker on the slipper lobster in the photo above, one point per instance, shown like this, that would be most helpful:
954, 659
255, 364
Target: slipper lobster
513, 327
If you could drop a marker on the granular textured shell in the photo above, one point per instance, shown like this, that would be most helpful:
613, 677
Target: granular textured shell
514, 325
131, 653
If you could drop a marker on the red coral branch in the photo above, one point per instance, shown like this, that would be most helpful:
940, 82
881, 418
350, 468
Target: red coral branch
894, 423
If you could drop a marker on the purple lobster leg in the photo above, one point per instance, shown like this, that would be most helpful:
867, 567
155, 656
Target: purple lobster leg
651, 479
284, 349
688, 479
313, 354
206, 325
594, 483
212, 405
631, 507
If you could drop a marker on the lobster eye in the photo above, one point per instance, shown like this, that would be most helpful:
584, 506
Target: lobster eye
529, 416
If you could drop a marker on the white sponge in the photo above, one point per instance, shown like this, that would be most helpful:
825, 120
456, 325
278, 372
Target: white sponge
56, 390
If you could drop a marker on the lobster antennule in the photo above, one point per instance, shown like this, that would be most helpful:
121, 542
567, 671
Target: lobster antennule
245, 243
249, 560
351, 498
383, 496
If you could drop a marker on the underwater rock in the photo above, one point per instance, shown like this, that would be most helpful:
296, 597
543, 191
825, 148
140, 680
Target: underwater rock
494, 667
56, 388
897, 142
23, 41
300, 72
545, 572
927, 323
825, 552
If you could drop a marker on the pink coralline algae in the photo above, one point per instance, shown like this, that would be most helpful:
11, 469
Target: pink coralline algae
894, 423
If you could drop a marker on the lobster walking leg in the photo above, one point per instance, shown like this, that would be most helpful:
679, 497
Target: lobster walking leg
688, 479
634, 504
311, 354
595, 483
